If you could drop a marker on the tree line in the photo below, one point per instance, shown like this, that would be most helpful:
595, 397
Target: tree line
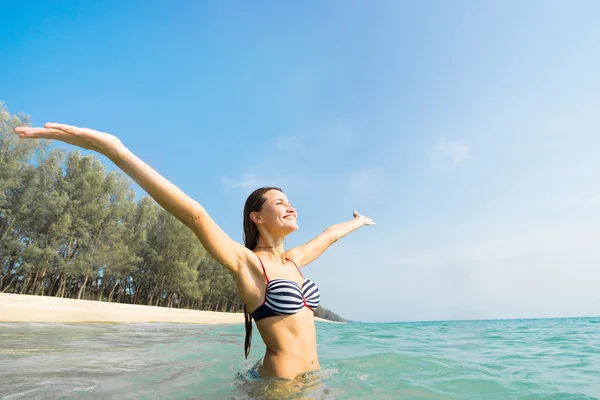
70, 229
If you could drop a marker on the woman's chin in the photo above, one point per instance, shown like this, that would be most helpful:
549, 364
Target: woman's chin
291, 227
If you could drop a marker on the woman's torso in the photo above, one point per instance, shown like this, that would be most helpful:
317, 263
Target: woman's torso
291, 338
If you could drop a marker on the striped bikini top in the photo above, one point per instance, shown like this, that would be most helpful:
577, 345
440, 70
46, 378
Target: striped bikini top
286, 297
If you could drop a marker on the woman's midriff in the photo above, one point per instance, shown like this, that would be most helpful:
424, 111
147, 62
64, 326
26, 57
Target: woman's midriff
291, 342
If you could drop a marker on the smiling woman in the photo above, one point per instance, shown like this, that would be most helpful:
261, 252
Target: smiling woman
267, 277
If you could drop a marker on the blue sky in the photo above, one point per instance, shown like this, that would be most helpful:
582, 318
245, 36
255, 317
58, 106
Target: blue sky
468, 130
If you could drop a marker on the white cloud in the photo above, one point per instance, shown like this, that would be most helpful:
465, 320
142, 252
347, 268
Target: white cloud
296, 160
456, 152
245, 181
365, 183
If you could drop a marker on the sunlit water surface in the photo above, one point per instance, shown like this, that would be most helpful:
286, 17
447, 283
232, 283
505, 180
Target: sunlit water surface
518, 359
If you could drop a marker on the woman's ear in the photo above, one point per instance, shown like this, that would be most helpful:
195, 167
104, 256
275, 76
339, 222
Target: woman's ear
255, 217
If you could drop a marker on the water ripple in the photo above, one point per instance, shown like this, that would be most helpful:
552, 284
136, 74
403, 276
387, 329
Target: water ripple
520, 359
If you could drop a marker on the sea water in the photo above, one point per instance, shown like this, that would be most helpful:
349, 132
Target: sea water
503, 359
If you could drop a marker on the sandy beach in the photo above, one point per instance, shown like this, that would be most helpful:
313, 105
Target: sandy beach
25, 308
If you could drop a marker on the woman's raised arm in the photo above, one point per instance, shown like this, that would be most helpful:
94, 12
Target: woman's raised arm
307, 253
220, 246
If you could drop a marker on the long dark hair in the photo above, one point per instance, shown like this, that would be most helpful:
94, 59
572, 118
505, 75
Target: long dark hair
254, 202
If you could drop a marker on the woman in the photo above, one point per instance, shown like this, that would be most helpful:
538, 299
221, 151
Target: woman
268, 278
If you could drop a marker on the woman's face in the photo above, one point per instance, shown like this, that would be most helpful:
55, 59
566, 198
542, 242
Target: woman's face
277, 214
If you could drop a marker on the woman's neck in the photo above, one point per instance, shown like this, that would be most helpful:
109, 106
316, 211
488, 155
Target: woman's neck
274, 250
270, 243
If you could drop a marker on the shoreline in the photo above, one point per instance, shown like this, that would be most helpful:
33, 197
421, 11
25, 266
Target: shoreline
28, 308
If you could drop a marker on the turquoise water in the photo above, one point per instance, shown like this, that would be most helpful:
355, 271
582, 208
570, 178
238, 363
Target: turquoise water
518, 359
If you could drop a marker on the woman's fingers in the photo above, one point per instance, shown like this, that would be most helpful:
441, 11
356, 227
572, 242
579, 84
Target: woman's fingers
367, 220
50, 130
25, 131
61, 127
37, 133
81, 137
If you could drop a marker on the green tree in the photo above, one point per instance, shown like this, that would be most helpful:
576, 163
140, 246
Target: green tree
69, 229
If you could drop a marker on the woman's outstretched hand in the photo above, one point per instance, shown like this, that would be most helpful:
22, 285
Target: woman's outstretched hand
365, 220
81, 137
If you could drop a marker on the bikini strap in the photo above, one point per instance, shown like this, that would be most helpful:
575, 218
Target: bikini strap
296, 266
263, 267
